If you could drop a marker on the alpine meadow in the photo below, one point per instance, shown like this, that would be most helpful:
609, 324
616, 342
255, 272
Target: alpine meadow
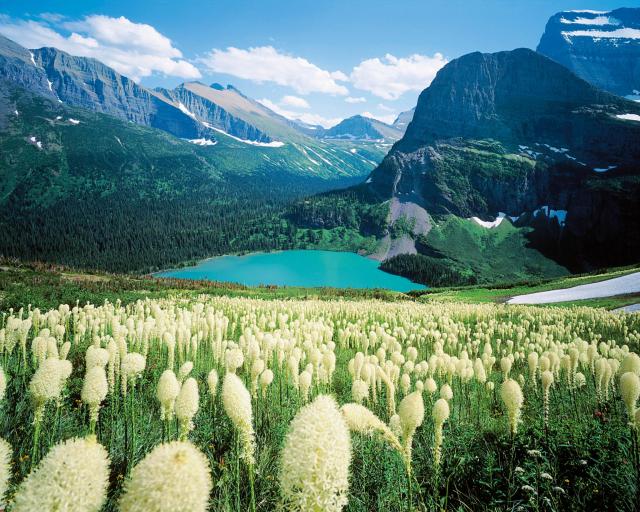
331, 257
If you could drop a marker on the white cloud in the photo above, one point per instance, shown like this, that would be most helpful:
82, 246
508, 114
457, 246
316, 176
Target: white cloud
53, 17
391, 77
305, 117
384, 107
387, 118
123, 32
133, 49
351, 99
266, 64
294, 101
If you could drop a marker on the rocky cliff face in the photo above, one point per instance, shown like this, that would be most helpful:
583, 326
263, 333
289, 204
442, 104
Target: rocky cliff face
88, 83
512, 132
600, 47
214, 114
402, 121
19, 67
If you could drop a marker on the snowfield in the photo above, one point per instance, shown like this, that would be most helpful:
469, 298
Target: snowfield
632, 308
617, 286
490, 224
629, 117
202, 142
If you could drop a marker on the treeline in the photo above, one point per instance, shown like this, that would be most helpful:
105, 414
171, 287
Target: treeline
124, 234
350, 208
428, 270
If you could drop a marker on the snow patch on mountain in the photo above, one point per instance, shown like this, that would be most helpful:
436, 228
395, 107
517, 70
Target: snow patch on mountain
605, 169
598, 20
608, 288
621, 33
304, 152
74, 121
588, 11
629, 117
202, 142
490, 224
33, 140
272, 144
185, 110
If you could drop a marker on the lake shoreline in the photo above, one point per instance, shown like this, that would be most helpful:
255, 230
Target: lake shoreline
309, 268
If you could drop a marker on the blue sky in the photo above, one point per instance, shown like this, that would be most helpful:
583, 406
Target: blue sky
319, 61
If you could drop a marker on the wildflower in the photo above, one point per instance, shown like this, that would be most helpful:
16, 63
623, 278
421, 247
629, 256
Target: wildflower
546, 476
362, 420
3, 383
212, 381
174, 477
166, 393
430, 385
186, 406
359, 391
237, 404
5, 467
440, 415
630, 363
256, 369
304, 381
528, 488
47, 384
630, 391
95, 356
547, 382
394, 425
94, 390
512, 397
234, 359
184, 371
73, 476
519, 469
266, 378
411, 412
314, 469
446, 392
132, 365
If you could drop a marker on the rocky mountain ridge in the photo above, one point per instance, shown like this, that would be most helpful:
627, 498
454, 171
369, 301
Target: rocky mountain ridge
362, 128
602, 47
517, 138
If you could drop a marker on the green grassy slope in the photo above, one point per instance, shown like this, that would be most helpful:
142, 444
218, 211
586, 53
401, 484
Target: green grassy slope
46, 286
98, 192
493, 255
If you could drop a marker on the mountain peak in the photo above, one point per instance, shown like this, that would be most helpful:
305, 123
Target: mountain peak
360, 127
481, 94
602, 47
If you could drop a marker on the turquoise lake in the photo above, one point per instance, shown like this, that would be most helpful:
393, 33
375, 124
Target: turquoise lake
296, 268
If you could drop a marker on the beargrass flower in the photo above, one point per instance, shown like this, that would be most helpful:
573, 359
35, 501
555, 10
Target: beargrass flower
173, 477
186, 406
512, 397
237, 404
314, 469
166, 392
73, 476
